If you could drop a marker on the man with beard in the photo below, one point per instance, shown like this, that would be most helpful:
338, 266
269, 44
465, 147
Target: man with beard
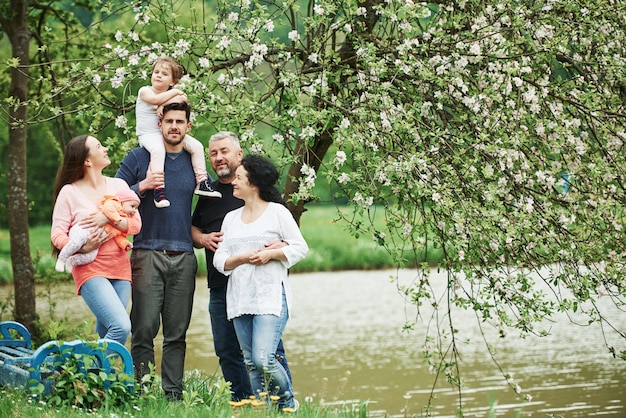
225, 154
163, 261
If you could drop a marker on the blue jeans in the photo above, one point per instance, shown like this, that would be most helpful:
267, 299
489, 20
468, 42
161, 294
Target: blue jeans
163, 288
227, 347
107, 299
258, 337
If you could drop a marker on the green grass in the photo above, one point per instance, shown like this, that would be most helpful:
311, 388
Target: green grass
331, 247
204, 396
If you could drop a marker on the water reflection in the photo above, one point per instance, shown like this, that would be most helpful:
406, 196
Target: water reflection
344, 341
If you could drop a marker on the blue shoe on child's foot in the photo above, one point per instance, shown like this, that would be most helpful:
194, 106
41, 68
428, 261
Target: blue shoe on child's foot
204, 189
160, 201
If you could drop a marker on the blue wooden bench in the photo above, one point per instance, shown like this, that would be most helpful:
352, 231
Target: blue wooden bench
21, 366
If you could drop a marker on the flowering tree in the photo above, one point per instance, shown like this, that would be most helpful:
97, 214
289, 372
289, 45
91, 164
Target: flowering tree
491, 131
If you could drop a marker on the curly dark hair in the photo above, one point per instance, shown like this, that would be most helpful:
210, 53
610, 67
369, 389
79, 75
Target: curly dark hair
263, 174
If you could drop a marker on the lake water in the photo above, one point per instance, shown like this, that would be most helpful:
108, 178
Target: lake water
345, 344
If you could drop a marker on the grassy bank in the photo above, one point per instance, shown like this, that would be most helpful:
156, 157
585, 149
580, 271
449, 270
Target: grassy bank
332, 247
204, 396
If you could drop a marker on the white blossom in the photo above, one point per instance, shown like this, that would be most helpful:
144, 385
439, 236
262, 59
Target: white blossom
224, 43
340, 158
309, 176
307, 132
120, 52
142, 18
293, 36
475, 49
182, 46
118, 79
384, 119
343, 178
156, 46
406, 27
121, 121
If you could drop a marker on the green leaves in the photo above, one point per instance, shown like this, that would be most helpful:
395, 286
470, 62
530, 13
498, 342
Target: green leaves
77, 383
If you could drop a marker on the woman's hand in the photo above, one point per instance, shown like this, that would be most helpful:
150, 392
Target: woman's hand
95, 220
261, 257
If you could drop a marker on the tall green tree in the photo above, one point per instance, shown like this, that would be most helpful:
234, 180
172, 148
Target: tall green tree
493, 132
14, 21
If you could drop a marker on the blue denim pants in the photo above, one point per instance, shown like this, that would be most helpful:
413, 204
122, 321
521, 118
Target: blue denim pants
258, 337
227, 347
107, 299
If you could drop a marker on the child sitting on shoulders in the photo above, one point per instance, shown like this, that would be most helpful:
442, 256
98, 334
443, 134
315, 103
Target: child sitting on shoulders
166, 72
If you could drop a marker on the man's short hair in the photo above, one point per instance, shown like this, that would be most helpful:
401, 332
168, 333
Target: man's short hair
178, 106
223, 135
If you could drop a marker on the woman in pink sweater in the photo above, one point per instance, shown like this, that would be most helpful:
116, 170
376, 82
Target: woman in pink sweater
104, 283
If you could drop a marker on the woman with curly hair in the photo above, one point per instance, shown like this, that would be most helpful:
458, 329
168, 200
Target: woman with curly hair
258, 294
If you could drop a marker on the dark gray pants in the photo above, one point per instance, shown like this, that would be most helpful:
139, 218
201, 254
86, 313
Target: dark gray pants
162, 290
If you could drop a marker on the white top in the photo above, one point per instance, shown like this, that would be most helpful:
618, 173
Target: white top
147, 119
257, 289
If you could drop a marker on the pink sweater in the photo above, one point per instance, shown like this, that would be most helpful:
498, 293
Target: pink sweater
70, 208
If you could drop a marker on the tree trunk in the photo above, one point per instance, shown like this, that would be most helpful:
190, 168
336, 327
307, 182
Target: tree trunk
21, 261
